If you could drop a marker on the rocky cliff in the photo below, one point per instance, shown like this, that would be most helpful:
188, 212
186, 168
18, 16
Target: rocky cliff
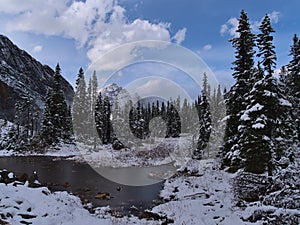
20, 73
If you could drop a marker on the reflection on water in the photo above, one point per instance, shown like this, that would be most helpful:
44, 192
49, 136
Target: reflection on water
82, 180
137, 176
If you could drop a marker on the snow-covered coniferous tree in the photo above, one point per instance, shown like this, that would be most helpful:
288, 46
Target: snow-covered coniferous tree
56, 125
235, 98
204, 126
293, 83
80, 108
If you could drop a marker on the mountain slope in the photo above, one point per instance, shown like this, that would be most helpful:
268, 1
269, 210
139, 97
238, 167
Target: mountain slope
21, 73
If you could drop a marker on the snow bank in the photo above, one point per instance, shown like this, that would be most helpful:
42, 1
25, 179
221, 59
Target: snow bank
202, 198
38, 206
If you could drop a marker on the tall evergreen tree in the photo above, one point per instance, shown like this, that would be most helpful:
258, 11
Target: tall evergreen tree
103, 119
254, 142
173, 121
266, 47
204, 84
89, 118
107, 121
56, 119
293, 83
80, 108
94, 94
264, 131
204, 126
99, 117
243, 70
278, 108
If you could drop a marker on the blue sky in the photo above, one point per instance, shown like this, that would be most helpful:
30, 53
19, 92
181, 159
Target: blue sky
75, 33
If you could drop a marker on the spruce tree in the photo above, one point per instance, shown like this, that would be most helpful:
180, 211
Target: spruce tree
278, 108
89, 120
107, 121
235, 98
103, 118
266, 47
254, 143
94, 95
80, 108
264, 131
204, 126
47, 126
56, 126
185, 116
99, 117
173, 121
205, 84
293, 83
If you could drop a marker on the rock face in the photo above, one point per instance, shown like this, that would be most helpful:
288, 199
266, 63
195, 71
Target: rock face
21, 73
112, 91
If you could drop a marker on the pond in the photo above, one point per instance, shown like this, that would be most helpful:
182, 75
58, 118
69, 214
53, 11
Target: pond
80, 179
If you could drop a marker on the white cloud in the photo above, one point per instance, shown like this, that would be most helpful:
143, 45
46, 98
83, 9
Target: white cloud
180, 36
99, 25
224, 29
274, 16
207, 47
231, 25
37, 48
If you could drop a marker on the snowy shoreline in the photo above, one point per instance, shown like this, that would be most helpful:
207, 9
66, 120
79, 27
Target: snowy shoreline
106, 156
200, 193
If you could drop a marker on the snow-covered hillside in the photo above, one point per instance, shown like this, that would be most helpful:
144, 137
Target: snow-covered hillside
23, 75
113, 91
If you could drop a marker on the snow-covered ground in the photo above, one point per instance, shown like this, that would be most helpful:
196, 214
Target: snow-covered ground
145, 155
159, 152
199, 194
20, 204
203, 198
106, 156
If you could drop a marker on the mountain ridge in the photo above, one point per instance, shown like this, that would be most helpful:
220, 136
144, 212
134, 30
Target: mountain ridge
21, 74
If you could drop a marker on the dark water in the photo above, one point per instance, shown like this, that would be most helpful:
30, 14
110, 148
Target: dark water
81, 180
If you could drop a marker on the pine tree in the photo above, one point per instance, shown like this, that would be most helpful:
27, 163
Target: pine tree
103, 116
94, 94
205, 84
89, 121
243, 70
120, 130
204, 126
56, 119
139, 121
293, 83
185, 116
81, 108
107, 121
277, 106
47, 124
264, 131
266, 47
173, 121
99, 117
217, 110
254, 143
